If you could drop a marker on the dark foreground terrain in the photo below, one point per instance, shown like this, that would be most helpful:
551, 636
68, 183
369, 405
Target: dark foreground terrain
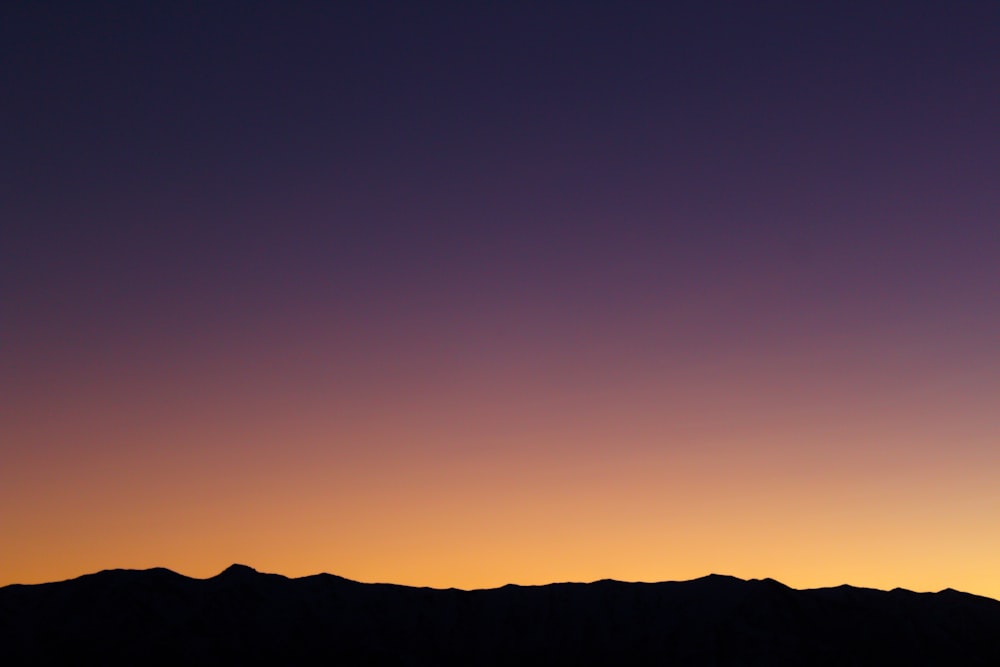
240, 616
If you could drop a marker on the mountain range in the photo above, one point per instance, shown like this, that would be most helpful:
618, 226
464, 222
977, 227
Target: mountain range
240, 615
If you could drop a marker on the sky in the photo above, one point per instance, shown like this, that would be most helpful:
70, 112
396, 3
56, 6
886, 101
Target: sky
467, 294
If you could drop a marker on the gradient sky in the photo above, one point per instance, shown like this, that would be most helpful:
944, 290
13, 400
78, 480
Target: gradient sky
462, 294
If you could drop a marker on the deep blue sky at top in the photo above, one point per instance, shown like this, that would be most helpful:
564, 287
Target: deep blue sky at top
189, 158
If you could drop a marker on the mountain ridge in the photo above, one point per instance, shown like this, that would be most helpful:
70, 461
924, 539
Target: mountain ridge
239, 569
158, 616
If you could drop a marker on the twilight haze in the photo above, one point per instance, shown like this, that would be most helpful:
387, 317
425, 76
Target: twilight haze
462, 294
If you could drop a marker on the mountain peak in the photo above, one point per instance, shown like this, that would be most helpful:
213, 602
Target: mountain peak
237, 570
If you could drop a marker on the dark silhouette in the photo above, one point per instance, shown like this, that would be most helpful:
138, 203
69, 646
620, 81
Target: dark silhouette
160, 617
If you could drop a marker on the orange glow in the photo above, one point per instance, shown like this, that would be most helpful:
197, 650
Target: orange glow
516, 469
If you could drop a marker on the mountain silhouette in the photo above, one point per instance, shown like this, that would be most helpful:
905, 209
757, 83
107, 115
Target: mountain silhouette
240, 615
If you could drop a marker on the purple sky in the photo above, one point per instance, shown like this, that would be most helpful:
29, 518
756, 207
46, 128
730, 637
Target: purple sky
261, 210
